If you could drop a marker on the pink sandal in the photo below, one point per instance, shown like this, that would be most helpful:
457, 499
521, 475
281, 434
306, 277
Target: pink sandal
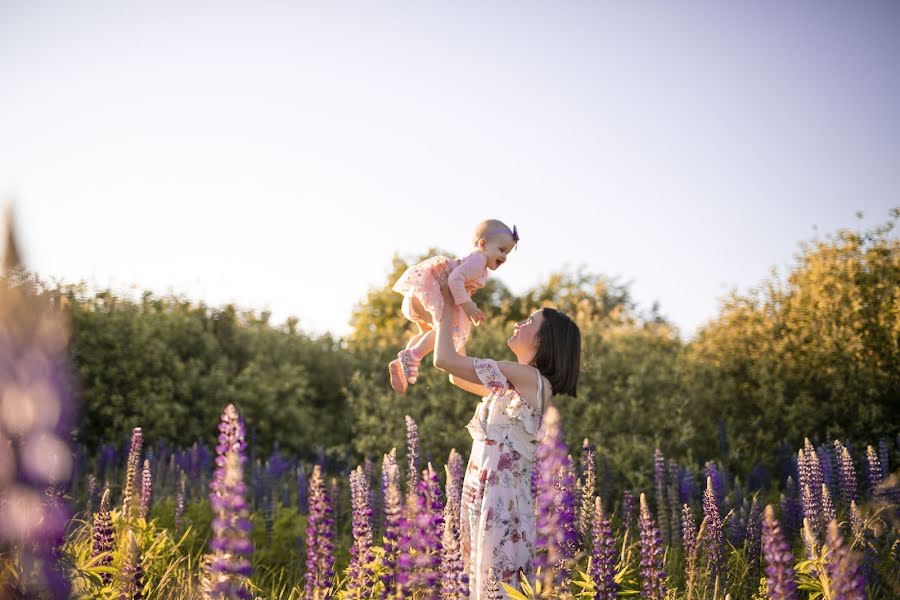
398, 377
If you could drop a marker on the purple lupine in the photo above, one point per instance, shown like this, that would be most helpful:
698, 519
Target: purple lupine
230, 546
674, 503
813, 471
369, 468
627, 509
713, 535
687, 487
603, 562
753, 533
857, 524
779, 560
179, 502
319, 539
810, 507
826, 466
493, 586
132, 581
454, 579
146, 490
846, 475
412, 457
828, 513
718, 480
37, 416
102, 534
737, 527
653, 575
689, 542
458, 469
429, 526
129, 496
810, 542
883, 458
394, 525
874, 474
554, 505
848, 581
386, 461
791, 509
361, 576
659, 479
588, 486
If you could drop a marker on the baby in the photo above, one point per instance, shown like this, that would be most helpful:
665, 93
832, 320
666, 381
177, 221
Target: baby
423, 302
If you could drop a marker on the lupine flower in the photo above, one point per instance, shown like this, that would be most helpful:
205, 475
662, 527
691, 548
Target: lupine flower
754, 532
588, 486
179, 502
713, 536
810, 508
815, 479
689, 542
458, 469
412, 457
335, 495
857, 525
883, 458
493, 587
659, 478
846, 474
874, 474
228, 567
653, 575
674, 503
791, 508
454, 579
360, 574
842, 565
718, 480
129, 499
394, 524
420, 549
779, 560
554, 505
810, 542
132, 584
603, 562
627, 508
826, 465
146, 490
37, 411
828, 513
102, 534
319, 536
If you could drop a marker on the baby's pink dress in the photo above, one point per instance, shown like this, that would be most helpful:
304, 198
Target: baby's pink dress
423, 281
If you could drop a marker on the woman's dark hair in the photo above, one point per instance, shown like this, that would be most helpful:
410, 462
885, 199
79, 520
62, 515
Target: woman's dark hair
558, 355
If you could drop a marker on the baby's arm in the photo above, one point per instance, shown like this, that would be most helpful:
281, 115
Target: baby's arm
469, 268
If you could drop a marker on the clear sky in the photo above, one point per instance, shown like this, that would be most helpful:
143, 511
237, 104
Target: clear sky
277, 154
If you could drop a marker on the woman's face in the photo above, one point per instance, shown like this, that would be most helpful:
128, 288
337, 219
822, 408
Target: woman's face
523, 341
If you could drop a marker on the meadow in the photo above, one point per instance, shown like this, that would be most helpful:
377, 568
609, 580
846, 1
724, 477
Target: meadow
159, 448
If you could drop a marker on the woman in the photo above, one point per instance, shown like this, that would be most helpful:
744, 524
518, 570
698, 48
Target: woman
497, 516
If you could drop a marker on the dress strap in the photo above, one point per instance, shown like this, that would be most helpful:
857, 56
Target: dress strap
540, 389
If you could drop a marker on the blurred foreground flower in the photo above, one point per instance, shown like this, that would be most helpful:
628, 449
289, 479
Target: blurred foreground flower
37, 414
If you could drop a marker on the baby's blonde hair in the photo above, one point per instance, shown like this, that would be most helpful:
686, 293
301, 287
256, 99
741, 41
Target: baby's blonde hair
486, 226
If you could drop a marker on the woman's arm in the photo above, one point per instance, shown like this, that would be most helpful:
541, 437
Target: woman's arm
475, 388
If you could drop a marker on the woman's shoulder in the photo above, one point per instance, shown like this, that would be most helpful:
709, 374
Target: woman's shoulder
524, 378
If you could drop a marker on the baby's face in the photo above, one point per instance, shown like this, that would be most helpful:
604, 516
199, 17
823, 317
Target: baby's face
496, 248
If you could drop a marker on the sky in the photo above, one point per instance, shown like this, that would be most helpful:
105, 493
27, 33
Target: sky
277, 155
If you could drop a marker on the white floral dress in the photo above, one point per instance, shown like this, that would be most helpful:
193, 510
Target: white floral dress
497, 520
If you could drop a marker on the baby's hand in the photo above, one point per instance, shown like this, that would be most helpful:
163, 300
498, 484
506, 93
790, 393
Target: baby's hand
473, 312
